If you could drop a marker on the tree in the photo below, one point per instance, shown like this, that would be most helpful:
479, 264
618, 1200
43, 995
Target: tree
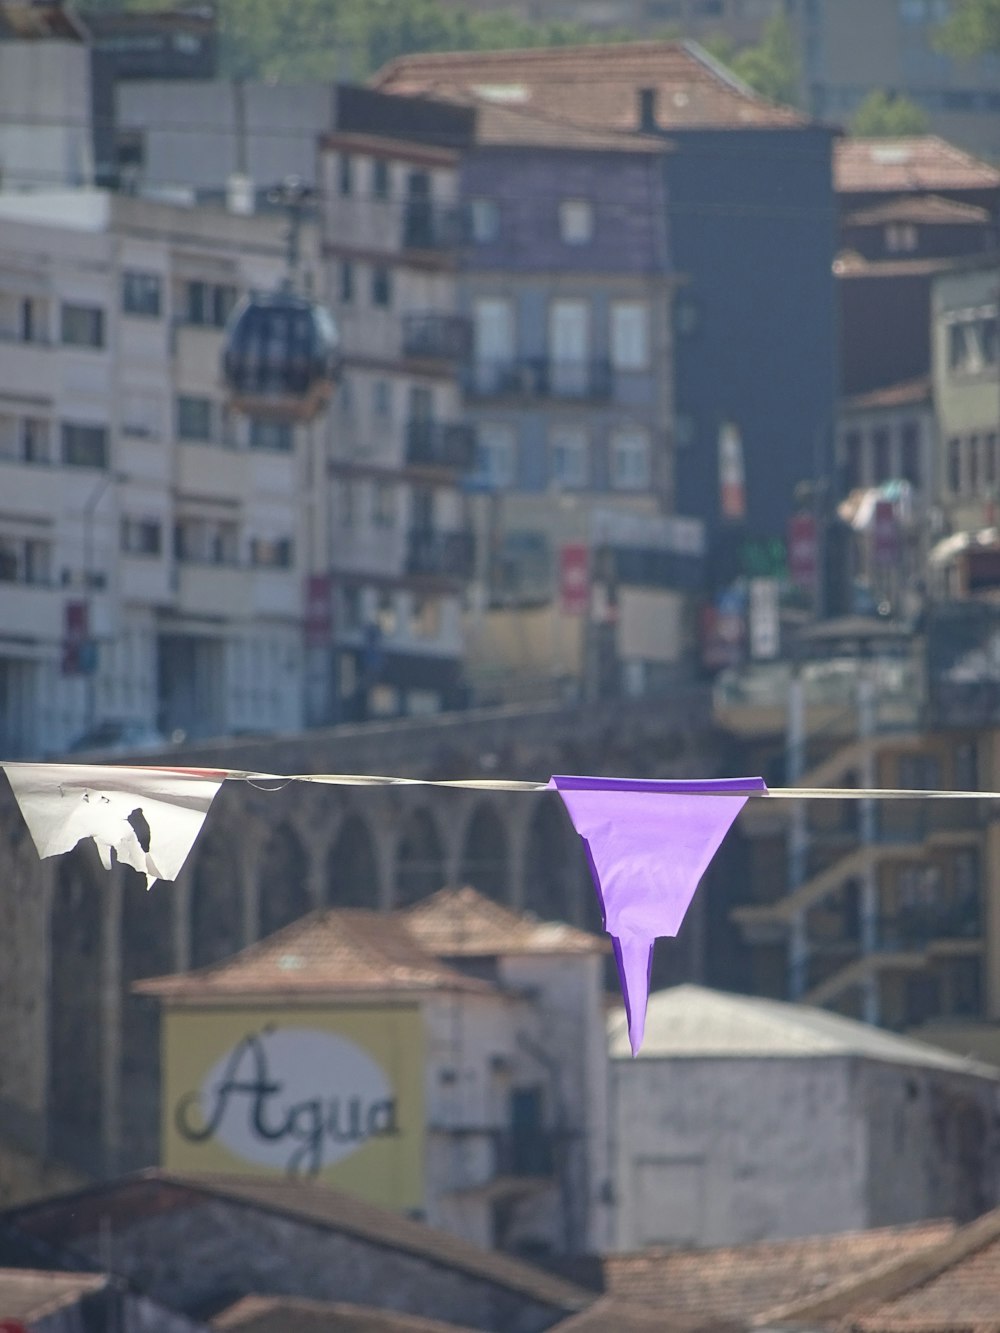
771, 67
972, 30
886, 115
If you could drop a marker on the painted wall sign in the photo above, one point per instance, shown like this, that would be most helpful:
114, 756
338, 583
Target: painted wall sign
329, 1094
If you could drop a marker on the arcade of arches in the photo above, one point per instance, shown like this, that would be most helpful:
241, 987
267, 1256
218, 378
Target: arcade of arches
80, 1075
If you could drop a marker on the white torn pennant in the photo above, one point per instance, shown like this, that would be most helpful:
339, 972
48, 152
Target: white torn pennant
64, 803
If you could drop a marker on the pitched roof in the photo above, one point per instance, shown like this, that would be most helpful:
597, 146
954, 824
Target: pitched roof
498, 125
329, 952
895, 166
594, 87
288, 1314
463, 923
751, 1281
29, 1295
69, 1217
930, 209
612, 1315
692, 1021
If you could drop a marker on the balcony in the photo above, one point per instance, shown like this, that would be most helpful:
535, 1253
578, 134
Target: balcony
428, 226
521, 1154
440, 444
540, 377
913, 929
436, 337
27, 370
437, 554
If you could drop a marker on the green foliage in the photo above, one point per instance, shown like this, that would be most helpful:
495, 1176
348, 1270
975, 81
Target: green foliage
771, 67
972, 30
884, 115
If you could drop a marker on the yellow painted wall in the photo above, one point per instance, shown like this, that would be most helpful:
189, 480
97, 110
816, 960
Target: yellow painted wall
332, 1093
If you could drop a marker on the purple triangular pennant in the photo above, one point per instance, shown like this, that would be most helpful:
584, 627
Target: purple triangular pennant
648, 844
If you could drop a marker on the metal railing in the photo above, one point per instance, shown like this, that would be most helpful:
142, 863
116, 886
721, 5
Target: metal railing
539, 377
447, 444
444, 554
434, 336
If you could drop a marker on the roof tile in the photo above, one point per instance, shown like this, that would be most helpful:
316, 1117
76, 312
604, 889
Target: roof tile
898, 166
288, 1314
593, 87
463, 923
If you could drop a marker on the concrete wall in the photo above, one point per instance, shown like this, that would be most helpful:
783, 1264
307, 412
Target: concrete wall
728, 1151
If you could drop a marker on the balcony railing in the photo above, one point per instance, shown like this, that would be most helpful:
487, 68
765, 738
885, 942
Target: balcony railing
437, 337
445, 444
522, 1154
914, 928
440, 554
539, 377
428, 226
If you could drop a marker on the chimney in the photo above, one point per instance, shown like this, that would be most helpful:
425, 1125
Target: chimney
647, 109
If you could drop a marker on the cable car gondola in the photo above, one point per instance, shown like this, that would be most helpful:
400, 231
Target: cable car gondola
282, 357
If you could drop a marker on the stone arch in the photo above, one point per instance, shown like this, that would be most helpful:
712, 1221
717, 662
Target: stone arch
420, 858
216, 912
352, 878
485, 860
552, 859
76, 1029
147, 950
282, 880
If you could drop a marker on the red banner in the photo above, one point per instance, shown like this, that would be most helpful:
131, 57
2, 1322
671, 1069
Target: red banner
803, 551
574, 580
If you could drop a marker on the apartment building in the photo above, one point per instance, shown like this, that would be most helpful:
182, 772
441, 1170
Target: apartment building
151, 544
401, 549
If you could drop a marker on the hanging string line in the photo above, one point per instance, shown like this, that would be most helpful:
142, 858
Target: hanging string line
499, 784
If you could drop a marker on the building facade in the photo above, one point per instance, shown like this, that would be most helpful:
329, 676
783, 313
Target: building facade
153, 546
401, 549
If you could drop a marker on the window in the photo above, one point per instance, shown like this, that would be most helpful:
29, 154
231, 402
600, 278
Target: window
380, 178
425, 618
348, 504
880, 446
630, 462
84, 446
350, 608
141, 536
194, 418
954, 465
900, 238
206, 541
82, 326
271, 554
37, 561
972, 343
346, 281
972, 473
278, 436
9, 560
991, 464
383, 505
208, 304
345, 171
35, 441
910, 454
381, 286
386, 616
484, 220
630, 335
569, 451
496, 457
141, 293
853, 473
576, 221
382, 399
140, 416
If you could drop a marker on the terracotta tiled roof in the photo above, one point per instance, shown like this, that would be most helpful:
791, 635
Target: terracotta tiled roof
751, 1281
896, 166
29, 1295
287, 1314
612, 1315
464, 923
929, 209
908, 393
68, 1218
593, 87
514, 126
954, 1286
332, 952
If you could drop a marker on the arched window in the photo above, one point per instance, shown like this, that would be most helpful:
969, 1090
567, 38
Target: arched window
147, 950
281, 880
552, 864
485, 855
216, 903
75, 1027
420, 859
351, 867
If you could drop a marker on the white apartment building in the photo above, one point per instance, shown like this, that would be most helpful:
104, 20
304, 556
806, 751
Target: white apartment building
401, 549
152, 545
